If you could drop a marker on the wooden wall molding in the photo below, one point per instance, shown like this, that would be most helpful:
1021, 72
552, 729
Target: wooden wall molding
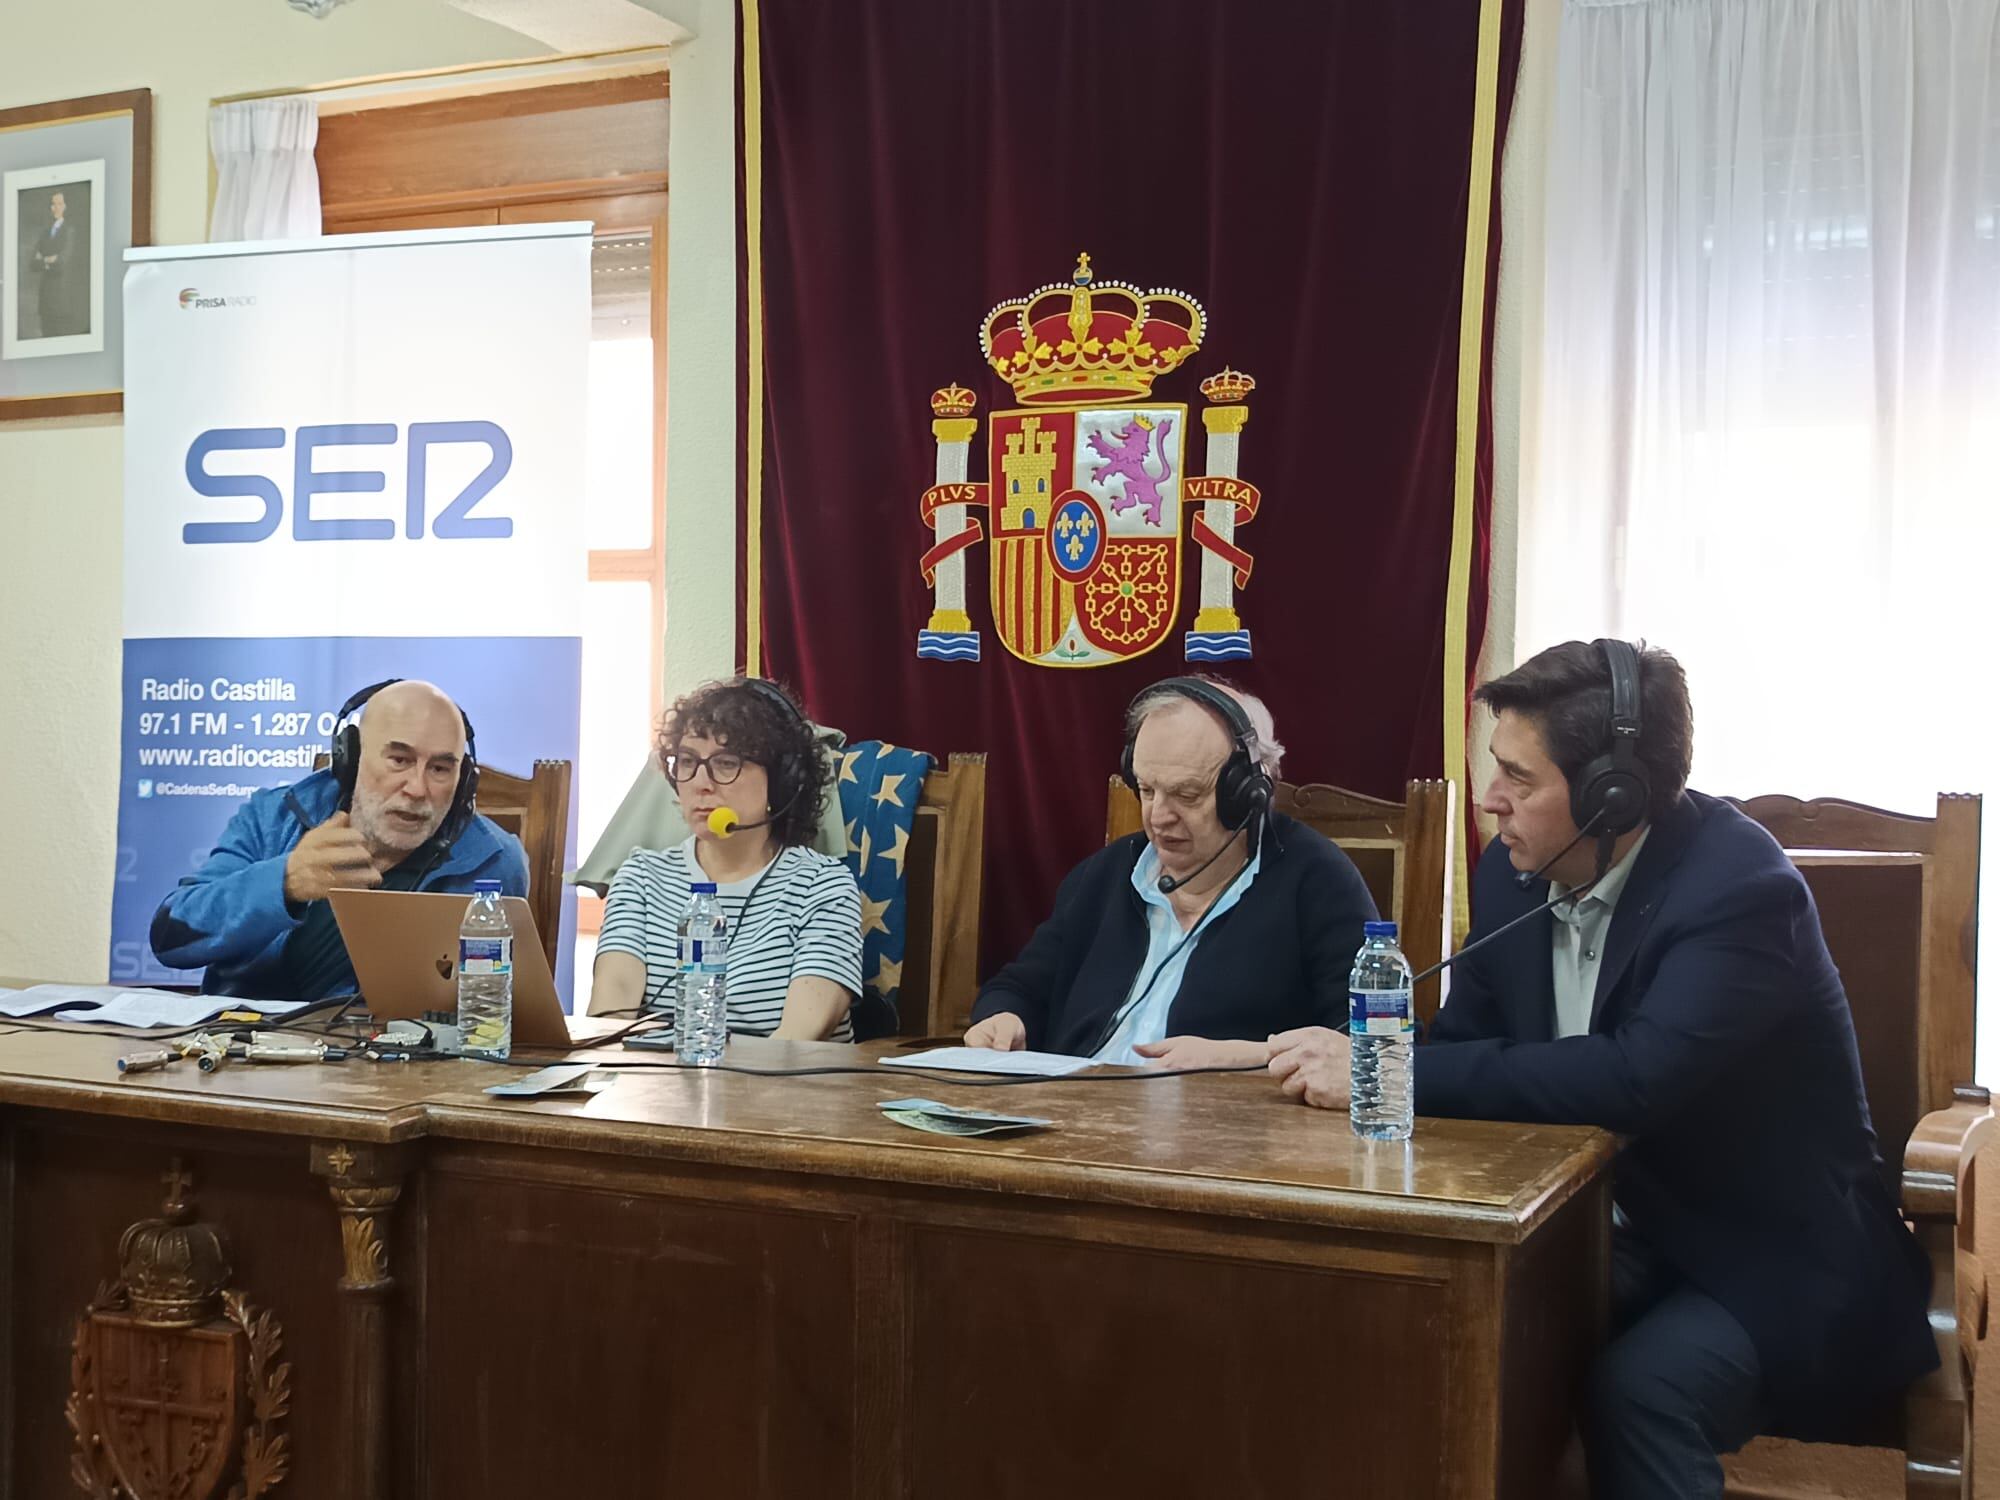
494, 150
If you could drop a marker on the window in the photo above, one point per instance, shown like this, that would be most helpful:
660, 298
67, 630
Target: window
597, 151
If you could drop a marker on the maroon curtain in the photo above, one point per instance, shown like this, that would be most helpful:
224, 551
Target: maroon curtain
1300, 169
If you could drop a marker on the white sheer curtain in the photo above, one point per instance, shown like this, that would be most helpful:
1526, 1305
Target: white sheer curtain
1770, 418
266, 181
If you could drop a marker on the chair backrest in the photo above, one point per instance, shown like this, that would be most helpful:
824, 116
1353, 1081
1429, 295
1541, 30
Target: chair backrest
1402, 849
1898, 899
944, 870
535, 809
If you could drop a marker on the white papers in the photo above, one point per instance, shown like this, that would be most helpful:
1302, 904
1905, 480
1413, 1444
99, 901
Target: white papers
38, 998
109, 1006
988, 1060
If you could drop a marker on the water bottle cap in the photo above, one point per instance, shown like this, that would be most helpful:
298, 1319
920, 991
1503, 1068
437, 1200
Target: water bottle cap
1378, 929
484, 887
701, 887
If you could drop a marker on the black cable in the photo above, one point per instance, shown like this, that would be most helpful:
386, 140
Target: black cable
881, 1071
340, 1003
1118, 1016
157, 1034
649, 998
1570, 896
642, 1025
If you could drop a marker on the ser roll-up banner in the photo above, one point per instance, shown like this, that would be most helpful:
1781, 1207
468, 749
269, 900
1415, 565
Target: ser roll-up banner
346, 459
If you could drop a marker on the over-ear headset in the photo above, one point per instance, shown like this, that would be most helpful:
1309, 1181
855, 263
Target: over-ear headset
346, 762
1243, 790
789, 775
1613, 791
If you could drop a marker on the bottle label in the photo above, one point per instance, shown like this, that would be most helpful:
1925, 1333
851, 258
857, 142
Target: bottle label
1379, 1013
700, 956
703, 957
480, 957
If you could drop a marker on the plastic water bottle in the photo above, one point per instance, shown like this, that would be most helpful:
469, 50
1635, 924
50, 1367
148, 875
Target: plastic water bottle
701, 921
701, 1017
486, 975
1381, 1029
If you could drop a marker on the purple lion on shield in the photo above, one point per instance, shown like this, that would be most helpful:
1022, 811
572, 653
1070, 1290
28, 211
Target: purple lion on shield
1124, 455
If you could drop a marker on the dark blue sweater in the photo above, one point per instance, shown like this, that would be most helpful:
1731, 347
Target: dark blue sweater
1278, 958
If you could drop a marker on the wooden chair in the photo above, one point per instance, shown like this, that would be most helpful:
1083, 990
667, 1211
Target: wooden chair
1978, 1261
944, 868
1402, 849
535, 809
1898, 898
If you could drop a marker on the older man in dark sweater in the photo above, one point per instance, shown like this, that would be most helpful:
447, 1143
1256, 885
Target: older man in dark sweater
1190, 944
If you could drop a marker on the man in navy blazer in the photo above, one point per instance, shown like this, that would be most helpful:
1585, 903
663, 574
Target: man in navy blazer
1679, 993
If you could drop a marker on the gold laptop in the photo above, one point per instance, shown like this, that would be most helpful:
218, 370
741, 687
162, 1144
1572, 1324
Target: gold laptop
404, 948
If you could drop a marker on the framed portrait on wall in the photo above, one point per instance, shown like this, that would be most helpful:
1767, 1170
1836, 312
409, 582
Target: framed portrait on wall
75, 193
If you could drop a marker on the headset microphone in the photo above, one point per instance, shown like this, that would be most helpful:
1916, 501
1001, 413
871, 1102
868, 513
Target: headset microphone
1609, 795
1168, 884
1504, 928
1526, 878
725, 820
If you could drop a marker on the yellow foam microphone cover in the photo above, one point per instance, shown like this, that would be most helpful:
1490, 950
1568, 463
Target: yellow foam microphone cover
722, 822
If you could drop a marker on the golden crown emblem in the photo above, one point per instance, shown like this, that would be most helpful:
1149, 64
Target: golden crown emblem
953, 401
1227, 387
1089, 340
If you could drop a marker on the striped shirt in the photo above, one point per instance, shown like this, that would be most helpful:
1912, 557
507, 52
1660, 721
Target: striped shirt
800, 914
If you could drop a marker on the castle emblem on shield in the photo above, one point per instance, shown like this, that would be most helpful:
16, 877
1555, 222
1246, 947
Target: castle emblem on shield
1087, 480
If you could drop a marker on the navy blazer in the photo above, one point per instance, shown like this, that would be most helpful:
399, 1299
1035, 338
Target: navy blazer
1279, 958
1721, 1044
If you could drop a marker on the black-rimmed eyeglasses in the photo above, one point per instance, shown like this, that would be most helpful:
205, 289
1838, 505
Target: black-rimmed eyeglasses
723, 767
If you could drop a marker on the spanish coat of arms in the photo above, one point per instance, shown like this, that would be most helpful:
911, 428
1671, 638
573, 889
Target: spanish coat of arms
1086, 482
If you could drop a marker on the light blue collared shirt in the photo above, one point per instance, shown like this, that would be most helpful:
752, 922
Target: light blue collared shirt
1168, 948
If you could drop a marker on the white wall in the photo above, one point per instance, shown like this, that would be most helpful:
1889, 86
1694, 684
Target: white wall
701, 346
61, 481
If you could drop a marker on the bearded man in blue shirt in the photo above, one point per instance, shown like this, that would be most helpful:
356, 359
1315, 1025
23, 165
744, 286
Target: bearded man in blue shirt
395, 810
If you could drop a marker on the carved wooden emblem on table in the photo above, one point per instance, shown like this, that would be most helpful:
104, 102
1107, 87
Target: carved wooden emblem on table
177, 1392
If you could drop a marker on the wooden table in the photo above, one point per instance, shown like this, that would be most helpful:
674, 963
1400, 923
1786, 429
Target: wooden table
710, 1284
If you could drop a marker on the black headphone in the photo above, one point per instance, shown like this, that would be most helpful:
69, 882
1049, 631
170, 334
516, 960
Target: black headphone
1613, 791
346, 762
1243, 789
789, 774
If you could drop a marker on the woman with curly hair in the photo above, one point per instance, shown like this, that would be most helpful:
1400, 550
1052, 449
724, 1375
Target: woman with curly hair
741, 751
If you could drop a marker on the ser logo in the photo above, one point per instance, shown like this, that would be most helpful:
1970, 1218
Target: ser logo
145, 787
191, 299
455, 522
